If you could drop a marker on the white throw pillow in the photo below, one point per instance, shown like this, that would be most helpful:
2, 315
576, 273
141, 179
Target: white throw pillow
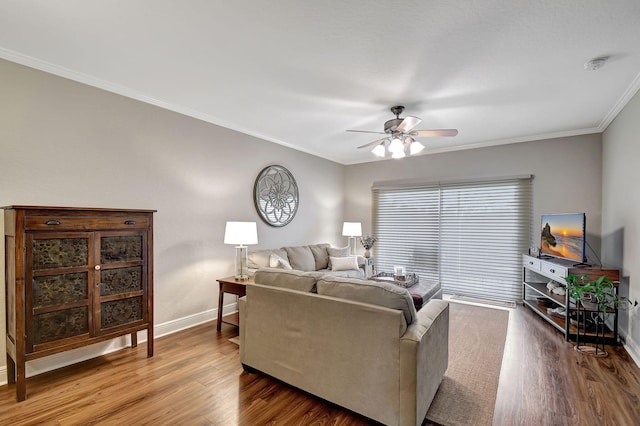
276, 261
349, 263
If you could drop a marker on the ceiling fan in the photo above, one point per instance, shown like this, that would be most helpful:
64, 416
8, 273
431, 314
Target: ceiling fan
401, 135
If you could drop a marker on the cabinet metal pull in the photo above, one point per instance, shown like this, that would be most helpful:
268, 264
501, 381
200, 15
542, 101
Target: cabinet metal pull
129, 222
52, 222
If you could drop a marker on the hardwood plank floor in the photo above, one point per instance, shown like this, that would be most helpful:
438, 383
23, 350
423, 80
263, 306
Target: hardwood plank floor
195, 378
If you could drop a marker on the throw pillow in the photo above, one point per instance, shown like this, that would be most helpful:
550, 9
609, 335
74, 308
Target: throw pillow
337, 252
320, 255
349, 263
259, 259
301, 258
276, 261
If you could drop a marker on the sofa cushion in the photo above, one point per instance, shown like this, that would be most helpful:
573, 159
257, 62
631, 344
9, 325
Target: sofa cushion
261, 258
338, 252
345, 274
344, 263
276, 261
291, 279
373, 292
301, 258
320, 255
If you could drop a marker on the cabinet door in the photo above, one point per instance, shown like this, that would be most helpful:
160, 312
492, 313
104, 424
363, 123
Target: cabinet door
122, 280
59, 288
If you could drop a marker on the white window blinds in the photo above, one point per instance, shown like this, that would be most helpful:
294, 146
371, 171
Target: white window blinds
469, 236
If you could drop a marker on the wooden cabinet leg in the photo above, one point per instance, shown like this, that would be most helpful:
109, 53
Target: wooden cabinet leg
134, 339
21, 382
11, 370
150, 341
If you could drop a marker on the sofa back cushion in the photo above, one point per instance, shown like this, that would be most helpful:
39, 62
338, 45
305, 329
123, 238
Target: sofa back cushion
291, 279
301, 258
372, 292
320, 255
260, 258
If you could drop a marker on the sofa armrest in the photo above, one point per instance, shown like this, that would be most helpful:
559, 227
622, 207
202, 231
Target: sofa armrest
424, 358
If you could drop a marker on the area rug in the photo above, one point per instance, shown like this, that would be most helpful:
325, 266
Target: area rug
467, 394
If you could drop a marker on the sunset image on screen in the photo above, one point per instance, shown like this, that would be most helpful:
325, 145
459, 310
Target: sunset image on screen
563, 236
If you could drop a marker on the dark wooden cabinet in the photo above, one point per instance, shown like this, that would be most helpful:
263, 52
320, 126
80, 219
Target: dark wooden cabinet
75, 276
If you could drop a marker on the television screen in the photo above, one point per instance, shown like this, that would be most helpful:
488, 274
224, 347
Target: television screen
563, 236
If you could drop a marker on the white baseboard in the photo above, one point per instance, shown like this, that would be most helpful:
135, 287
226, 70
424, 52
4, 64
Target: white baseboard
633, 350
74, 356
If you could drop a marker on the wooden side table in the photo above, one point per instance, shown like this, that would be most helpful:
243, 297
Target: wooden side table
233, 286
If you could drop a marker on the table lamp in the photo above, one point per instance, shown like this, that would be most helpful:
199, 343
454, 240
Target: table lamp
241, 234
352, 230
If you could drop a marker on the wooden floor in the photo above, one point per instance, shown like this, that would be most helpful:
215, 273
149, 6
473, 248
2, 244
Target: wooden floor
195, 378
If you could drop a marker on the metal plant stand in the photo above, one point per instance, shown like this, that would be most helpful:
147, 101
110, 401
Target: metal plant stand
597, 349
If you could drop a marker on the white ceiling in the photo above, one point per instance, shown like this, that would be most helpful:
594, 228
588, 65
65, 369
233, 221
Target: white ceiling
299, 73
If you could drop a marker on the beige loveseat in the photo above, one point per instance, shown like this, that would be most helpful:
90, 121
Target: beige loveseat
313, 257
357, 343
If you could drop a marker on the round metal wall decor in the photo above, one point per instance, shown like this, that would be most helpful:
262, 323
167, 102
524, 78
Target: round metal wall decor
275, 195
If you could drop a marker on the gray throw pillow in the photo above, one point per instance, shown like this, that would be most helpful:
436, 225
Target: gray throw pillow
320, 255
301, 258
337, 252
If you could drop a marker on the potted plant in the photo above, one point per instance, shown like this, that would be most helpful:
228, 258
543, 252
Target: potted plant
598, 297
367, 242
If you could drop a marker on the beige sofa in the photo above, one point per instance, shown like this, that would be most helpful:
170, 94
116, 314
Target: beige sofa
357, 343
313, 257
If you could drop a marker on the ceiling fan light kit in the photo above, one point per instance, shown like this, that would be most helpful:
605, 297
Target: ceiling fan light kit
402, 142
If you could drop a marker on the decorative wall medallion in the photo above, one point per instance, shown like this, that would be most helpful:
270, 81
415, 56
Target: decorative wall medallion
275, 195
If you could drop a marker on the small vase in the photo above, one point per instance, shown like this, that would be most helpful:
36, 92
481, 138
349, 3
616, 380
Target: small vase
367, 253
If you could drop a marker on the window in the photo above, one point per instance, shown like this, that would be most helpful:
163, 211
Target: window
470, 236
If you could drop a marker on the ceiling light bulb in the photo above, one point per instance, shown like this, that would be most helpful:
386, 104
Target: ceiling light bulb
415, 147
396, 146
379, 150
398, 154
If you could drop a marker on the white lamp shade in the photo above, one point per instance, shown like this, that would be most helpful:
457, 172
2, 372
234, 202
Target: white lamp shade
352, 229
396, 146
398, 154
239, 233
379, 150
415, 147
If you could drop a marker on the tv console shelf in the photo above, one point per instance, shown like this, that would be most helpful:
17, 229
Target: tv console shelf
537, 272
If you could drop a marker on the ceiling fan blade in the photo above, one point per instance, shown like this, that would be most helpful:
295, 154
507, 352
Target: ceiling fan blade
408, 123
366, 131
371, 143
434, 133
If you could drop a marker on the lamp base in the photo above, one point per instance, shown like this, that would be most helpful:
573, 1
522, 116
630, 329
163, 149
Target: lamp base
241, 263
352, 246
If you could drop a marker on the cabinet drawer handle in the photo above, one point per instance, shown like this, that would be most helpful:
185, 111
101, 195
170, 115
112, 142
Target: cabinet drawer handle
553, 271
129, 222
52, 222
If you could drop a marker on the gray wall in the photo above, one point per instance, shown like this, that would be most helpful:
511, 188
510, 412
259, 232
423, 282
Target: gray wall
621, 211
68, 144
567, 176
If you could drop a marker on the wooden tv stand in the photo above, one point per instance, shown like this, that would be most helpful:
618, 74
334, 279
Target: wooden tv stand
538, 272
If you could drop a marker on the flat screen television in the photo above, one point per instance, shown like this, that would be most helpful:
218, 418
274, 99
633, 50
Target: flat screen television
563, 236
